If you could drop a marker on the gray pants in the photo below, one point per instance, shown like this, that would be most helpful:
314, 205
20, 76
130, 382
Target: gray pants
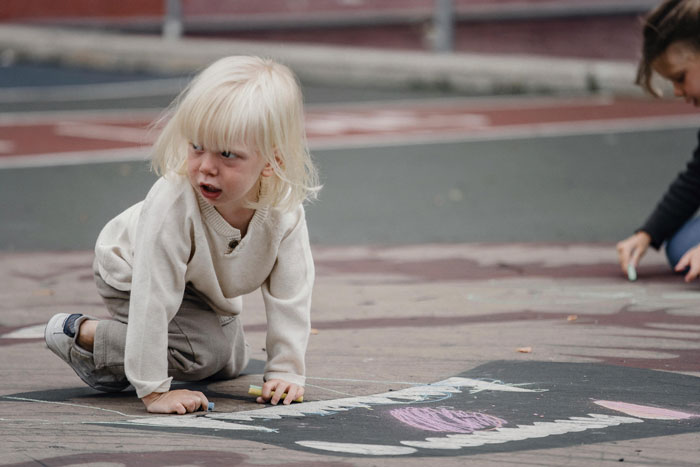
201, 344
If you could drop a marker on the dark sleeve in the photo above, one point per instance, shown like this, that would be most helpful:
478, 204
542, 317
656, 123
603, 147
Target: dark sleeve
678, 204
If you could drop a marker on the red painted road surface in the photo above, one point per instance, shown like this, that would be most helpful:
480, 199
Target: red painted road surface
91, 133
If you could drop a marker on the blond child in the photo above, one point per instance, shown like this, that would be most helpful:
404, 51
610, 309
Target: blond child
671, 48
224, 219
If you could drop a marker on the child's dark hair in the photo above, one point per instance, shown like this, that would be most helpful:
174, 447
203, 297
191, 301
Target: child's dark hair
671, 21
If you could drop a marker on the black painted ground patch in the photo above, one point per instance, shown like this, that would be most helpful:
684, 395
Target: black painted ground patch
498, 407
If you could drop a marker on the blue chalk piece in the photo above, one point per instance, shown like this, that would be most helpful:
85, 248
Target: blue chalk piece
631, 272
211, 407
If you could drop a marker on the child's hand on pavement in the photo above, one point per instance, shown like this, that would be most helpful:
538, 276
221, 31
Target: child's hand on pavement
690, 260
278, 386
631, 249
179, 401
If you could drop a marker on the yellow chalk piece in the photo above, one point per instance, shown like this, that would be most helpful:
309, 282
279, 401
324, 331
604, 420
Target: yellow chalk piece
257, 391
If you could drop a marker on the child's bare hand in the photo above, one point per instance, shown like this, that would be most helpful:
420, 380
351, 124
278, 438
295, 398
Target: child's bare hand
279, 387
179, 401
691, 261
631, 249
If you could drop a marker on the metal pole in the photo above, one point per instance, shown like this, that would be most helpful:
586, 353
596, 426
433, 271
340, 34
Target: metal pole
172, 22
443, 26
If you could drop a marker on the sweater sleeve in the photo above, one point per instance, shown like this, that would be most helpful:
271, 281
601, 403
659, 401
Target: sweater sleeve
287, 297
161, 251
678, 204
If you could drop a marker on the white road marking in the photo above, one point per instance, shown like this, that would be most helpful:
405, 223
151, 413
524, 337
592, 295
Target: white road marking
7, 147
31, 332
383, 121
106, 133
75, 158
508, 132
25, 399
366, 449
196, 421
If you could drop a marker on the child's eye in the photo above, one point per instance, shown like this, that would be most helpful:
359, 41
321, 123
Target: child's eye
196, 147
229, 154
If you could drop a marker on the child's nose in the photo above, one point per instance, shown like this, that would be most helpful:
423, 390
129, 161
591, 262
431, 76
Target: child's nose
209, 163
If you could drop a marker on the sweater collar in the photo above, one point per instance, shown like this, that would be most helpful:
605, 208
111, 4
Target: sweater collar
213, 218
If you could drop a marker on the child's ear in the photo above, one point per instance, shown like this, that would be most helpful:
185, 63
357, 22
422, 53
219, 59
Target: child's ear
269, 170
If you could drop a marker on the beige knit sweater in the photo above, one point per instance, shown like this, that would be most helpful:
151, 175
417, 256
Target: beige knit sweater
175, 238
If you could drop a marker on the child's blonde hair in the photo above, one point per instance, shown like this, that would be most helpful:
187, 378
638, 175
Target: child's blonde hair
248, 100
671, 21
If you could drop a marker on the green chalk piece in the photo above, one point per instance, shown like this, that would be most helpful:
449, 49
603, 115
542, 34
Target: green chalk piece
631, 272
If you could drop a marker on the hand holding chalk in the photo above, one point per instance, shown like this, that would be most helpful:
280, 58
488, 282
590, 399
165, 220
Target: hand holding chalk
257, 391
630, 252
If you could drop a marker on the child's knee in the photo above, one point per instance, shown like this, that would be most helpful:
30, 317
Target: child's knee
203, 362
237, 362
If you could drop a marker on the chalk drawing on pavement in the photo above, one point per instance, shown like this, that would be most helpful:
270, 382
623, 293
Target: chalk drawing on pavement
480, 438
444, 419
498, 407
436, 392
493, 408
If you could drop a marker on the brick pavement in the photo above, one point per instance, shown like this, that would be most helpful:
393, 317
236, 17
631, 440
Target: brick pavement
557, 323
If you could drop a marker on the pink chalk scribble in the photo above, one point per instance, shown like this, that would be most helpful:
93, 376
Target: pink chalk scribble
645, 411
446, 420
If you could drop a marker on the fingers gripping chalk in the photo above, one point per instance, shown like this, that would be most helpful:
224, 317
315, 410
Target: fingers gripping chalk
210, 407
257, 391
631, 272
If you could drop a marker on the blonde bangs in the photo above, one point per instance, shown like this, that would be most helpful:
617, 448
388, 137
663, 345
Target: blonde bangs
221, 120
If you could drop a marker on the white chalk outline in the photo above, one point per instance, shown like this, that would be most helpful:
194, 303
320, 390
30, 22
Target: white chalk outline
416, 394
479, 438
26, 399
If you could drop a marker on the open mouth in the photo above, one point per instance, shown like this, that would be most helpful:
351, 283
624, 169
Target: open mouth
209, 188
209, 191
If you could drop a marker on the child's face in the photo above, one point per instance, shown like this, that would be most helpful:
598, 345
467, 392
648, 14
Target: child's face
227, 180
680, 64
